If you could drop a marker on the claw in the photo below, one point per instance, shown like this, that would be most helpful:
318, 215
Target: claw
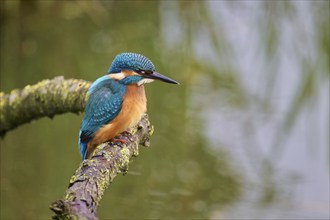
122, 138
122, 141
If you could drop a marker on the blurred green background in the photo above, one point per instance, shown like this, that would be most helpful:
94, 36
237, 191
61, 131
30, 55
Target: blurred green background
245, 135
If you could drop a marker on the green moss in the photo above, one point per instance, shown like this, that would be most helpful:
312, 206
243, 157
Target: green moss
135, 149
151, 130
125, 156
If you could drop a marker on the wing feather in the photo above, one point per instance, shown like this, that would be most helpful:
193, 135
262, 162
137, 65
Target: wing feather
104, 101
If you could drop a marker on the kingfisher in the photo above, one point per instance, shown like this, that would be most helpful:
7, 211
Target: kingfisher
117, 100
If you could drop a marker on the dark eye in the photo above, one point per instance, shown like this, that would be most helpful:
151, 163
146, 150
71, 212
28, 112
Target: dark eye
144, 72
140, 71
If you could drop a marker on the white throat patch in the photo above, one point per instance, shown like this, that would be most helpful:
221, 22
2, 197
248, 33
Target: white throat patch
143, 81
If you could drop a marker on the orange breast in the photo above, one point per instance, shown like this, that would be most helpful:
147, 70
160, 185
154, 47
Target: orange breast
133, 106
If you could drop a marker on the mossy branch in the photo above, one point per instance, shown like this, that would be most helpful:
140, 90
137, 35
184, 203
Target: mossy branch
93, 176
46, 98
87, 185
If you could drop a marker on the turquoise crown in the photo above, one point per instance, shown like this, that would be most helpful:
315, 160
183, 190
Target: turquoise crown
130, 61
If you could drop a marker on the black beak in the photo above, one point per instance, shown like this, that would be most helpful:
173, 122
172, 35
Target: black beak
158, 76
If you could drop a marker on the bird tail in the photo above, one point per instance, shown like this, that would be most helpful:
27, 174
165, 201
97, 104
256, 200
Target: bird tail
82, 146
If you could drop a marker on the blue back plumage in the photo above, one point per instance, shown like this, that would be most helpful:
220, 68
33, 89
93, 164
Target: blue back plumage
105, 96
130, 61
104, 101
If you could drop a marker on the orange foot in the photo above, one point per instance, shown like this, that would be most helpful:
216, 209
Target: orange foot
118, 140
122, 138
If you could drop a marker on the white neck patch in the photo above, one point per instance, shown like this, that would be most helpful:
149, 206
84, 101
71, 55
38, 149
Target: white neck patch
117, 76
143, 81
